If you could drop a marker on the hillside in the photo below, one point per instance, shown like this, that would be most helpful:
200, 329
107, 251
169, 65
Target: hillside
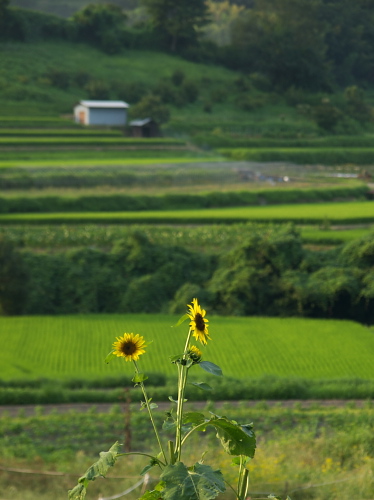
48, 78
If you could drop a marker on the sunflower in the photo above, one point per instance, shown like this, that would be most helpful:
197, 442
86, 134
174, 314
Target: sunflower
194, 354
198, 322
129, 346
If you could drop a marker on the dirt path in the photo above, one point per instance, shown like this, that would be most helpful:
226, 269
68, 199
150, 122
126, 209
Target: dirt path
32, 410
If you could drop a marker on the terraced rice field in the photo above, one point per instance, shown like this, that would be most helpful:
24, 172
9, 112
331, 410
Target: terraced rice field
353, 212
68, 346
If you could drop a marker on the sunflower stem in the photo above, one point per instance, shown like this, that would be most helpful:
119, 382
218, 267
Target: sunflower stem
150, 414
182, 380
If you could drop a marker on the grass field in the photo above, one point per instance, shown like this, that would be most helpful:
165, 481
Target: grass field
68, 346
350, 212
205, 238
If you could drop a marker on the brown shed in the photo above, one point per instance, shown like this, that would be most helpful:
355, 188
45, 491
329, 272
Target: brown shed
144, 128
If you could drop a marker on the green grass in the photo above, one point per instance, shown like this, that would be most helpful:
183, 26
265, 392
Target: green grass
68, 346
328, 236
350, 212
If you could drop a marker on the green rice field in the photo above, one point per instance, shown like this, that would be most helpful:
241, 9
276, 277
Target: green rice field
69, 346
350, 212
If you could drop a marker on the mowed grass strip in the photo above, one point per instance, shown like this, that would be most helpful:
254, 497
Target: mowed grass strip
350, 212
69, 346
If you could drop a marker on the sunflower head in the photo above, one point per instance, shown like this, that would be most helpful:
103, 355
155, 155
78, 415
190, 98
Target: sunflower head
198, 323
129, 346
194, 354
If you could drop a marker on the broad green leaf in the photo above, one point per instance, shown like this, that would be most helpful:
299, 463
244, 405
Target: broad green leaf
110, 356
199, 482
181, 320
236, 439
202, 385
168, 426
139, 378
211, 368
194, 418
99, 468
153, 406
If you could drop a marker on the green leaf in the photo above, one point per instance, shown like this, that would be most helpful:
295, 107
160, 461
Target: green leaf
110, 356
181, 320
202, 385
99, 468
199, 482
153, 406
139, 378
175, 358
211, 368
194, 418
236, 439
172, 400
151, 495
168, 426
147, 468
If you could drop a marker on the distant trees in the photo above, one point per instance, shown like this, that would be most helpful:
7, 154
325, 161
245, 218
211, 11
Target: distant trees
3, 14
101, 24
177, 21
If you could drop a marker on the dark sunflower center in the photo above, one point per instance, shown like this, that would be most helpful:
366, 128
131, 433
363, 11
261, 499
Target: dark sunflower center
128, 348
199, 321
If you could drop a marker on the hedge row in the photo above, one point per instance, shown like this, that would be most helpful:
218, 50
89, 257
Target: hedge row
264, 388
326, 156
121, 203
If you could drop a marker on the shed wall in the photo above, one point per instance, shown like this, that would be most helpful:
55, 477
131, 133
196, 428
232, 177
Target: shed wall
99, 116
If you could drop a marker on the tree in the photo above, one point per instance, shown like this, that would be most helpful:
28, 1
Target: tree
284, 39
3, 16
151, 106
177, 21
101, 24
12, 278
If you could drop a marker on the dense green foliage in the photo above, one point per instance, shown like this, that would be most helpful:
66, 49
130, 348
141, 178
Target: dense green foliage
111, 390
267, 273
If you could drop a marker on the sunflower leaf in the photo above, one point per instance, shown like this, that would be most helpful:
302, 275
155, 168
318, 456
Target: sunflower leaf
110, 356
199, 482
236, 439
202, 385
210, 367
100, 468
194, 417
181, 320
139, 378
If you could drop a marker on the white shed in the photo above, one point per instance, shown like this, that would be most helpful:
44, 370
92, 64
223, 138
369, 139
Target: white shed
112, 113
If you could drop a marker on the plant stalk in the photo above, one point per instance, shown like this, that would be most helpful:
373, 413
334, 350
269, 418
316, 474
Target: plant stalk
150, 414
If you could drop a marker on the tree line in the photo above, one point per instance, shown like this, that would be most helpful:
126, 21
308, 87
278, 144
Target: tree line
309, 44
270, 273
